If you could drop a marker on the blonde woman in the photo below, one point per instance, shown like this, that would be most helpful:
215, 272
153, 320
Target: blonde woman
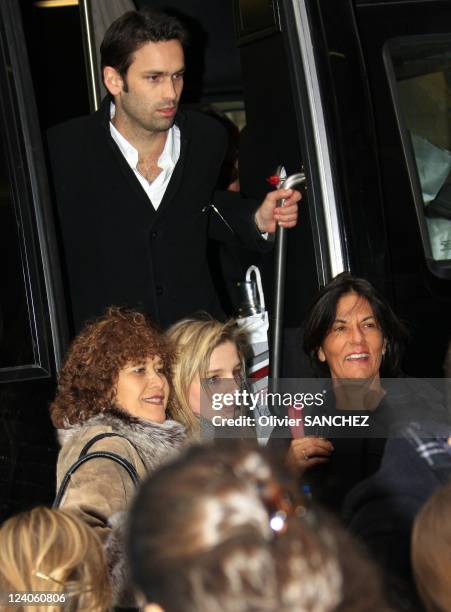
56, 555
207, 353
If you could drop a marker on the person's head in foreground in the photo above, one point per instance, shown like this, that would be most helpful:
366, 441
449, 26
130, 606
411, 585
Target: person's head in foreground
352, 333
431, 551
119, 362
218, 531
207, 354
54, 552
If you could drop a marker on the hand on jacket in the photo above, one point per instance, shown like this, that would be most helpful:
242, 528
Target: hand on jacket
268, 216
306, 452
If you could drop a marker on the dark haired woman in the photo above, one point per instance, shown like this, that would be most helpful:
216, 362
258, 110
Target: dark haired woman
114, 381
353, 338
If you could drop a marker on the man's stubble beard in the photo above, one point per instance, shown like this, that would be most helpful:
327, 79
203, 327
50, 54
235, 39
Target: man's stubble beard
161, 126
152, 124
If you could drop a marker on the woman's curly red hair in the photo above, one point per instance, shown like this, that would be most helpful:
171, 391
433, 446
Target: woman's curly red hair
87, 380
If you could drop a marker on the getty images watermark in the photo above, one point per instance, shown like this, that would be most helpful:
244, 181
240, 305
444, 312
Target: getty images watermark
325, 408
247, 404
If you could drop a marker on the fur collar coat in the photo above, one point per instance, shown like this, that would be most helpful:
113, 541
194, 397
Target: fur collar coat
101, 490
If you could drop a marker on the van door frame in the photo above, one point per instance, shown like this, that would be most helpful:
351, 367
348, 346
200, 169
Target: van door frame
331, 252
46, 305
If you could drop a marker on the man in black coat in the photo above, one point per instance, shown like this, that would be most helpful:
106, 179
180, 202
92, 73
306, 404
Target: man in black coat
135, 185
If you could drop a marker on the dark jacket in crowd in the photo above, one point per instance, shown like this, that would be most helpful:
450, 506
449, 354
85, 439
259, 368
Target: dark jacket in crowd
117, 248
381, 509
358, 451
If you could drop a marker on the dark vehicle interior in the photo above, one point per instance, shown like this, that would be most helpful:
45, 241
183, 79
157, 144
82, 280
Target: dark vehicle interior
350, 104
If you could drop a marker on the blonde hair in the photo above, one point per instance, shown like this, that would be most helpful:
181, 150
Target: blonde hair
194, 341
431, 551
54, 551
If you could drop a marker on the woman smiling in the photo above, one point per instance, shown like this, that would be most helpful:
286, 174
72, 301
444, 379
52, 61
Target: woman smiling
355, 345
112, 396
353, 338
144, 389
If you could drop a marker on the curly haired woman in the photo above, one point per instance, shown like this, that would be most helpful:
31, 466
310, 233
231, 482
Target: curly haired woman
114, 381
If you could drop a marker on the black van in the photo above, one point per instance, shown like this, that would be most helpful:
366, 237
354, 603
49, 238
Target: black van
355, 91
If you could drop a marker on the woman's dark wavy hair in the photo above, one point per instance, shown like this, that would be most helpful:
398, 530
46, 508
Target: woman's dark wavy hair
88, 378
133, 30
322, 315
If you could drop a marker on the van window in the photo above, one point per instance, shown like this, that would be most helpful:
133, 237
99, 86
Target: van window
419, 69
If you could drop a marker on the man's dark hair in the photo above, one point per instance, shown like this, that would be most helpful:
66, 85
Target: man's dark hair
322, 315
133, 30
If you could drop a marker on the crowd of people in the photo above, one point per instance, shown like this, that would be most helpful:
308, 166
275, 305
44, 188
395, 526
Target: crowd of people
156, 506
153, 509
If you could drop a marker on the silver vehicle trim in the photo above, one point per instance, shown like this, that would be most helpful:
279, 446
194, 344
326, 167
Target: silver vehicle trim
334, 238
90, 53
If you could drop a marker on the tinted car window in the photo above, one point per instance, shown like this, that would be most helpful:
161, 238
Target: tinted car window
421, 67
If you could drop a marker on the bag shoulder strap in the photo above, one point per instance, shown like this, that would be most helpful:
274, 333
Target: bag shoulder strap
84, 457
98, 437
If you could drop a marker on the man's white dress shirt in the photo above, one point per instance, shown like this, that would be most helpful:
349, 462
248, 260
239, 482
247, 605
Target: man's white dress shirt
167, 161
